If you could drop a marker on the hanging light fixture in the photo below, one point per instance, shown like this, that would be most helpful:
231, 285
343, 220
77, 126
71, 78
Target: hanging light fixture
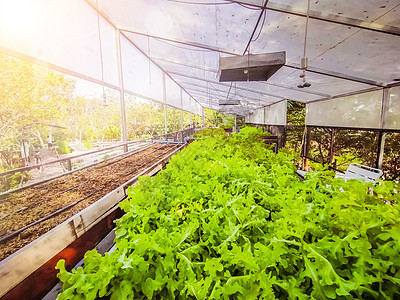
304, 60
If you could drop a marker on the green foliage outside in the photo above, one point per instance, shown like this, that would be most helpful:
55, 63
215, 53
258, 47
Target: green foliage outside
62, 147
350, 146
229, 219
211, 132
225, 121
31, 98
13, 181
391, 156
88, 145
296, 113
38, 102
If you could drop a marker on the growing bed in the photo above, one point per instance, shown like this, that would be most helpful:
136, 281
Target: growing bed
229, 219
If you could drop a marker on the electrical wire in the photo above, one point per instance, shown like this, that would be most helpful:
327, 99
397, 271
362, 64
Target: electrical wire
217, 3
261, 28
256, 26
247, 6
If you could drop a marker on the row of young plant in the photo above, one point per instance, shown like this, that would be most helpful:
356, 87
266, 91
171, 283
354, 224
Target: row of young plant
229, 219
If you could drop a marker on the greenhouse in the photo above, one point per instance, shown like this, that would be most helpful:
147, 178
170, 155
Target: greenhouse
199, 149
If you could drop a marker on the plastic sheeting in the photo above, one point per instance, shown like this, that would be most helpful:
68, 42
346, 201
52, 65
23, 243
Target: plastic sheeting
64, 33
392, 114
358, 111
191, 22
187, 38
362, 110
71, 37
140, 75
274, 114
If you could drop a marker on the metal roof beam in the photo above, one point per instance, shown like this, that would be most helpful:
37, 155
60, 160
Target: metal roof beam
288, 64
227, 85
179, 41
371, 89
242, 98
336, 75
326, 17
216, 71
108, 20
217, 90
249, 102
185, 65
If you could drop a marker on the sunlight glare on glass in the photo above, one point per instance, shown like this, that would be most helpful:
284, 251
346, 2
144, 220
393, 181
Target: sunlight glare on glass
18, 17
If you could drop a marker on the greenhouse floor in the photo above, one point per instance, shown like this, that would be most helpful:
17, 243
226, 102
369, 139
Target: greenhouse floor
41, 208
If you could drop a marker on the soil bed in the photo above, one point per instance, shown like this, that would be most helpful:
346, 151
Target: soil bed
23, 208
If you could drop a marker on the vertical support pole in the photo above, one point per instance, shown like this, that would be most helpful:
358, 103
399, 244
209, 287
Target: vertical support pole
306, 147
234, 128
204, 118
121, 88
165, 104
382, 134
69, 164
181, 119
181, 111
284, 135
381, 148
331, 154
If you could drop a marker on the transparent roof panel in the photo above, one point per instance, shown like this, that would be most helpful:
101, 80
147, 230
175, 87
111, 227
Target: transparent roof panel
191, 72
187, 38
109, 53
223, 25
390, 18
284, 32
63, 33
323, 85
370, 10
176, 52
366, 54
226, 91
280, 90
173, 92
140, 75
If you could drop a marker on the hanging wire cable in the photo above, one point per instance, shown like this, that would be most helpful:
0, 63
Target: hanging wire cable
247, 6
305, 36
217, 3
227, 95
304, 60
261, 28
248, 64
255, 27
